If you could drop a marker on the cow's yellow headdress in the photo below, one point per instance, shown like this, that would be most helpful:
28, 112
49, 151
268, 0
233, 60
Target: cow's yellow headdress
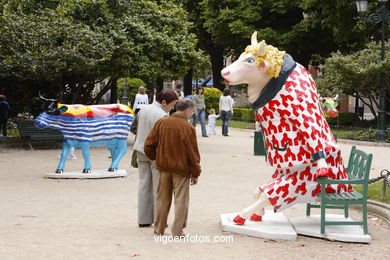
268, 53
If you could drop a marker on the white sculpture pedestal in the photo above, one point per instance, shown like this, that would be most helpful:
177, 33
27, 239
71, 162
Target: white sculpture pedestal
95, 174
273, 226
310, 226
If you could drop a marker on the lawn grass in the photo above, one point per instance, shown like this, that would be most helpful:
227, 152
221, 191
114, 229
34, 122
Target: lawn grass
375, 192
237, 124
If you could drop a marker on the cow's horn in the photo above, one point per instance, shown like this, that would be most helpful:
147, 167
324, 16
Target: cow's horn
45, 99
254, 38
40, 96
261, 48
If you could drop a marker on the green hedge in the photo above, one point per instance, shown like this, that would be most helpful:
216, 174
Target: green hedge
133, 85
344, 119
368, 134
211, 98
243, 113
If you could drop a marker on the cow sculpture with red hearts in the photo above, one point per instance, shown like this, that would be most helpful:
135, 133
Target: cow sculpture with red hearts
298, 139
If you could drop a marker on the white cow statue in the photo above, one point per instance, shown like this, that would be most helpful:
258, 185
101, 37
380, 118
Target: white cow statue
298, 140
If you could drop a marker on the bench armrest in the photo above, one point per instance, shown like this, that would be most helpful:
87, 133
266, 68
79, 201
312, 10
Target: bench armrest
325, 180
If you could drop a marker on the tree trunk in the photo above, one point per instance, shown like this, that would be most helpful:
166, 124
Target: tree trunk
216, 55
159, 84
370, 106
102, 92
114, 91
76, 96
188, 83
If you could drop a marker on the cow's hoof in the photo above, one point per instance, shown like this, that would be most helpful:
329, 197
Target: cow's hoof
87, 171
59, 171
112, 169
239, 220
256, 218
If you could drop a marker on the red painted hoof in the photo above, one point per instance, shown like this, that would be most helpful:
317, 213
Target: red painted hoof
322, 172
256, 218
239, 220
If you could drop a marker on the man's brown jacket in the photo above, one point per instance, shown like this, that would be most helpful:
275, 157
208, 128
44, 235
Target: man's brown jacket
172, 143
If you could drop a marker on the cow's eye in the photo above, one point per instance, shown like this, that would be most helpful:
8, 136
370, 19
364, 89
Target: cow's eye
250, 60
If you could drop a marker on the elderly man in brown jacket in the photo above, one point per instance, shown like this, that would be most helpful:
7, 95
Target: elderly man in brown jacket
172, 143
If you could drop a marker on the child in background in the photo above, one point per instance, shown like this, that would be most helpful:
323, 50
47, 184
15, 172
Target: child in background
71, 154
212, 119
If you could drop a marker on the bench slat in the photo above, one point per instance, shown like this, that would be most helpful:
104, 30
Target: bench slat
28, 131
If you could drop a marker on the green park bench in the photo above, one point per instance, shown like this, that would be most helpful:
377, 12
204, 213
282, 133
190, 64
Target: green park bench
358, 171
32, 135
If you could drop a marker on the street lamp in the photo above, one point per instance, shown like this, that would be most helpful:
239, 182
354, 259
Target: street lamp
125, 95
382, 15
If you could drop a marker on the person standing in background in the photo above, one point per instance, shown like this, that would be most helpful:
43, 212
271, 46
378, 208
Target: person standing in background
4, 110
153, 96
141, 99
179, 89
200, 106
226, 110
148, 174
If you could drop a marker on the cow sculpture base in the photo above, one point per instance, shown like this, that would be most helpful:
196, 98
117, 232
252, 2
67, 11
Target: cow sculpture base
310, 226
272, 226
96, 174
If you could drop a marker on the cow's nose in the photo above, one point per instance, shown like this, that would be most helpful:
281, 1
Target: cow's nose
225, 73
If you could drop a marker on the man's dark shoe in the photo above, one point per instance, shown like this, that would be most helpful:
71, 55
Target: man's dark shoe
205, 136
144, 225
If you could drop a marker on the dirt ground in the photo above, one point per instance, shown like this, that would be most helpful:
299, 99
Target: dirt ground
97, 219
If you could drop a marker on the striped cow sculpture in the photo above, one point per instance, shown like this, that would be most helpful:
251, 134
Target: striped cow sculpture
85, 126
298, 140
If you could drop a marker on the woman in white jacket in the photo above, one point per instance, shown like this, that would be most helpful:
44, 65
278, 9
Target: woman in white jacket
226, 103
141, 99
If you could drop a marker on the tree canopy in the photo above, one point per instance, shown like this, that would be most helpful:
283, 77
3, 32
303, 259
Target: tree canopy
68, 46
356, 74
304, 28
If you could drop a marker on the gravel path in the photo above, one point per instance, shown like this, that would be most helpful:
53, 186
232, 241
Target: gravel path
97, 219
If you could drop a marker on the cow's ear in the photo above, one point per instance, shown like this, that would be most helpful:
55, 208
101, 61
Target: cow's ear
62, 109
264, 66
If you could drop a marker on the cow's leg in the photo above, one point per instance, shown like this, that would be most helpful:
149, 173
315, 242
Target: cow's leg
119, 153
85, 151
253, 211
112, 147
112, 151
64, 156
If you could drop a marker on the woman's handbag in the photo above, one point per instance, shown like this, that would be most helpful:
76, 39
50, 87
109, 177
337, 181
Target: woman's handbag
134, 162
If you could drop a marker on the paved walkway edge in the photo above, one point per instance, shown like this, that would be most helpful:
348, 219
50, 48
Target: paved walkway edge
377, 208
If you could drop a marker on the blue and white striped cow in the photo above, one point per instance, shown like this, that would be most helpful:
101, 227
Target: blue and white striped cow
85, 126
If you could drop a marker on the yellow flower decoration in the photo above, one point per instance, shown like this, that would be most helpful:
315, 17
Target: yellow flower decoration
272, 55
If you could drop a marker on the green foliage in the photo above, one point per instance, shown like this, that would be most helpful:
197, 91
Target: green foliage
211, 98
356, 73
70, 45
366, 134
243, 114
132, 84
327, 25
375, 191
224, 27
238, 124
